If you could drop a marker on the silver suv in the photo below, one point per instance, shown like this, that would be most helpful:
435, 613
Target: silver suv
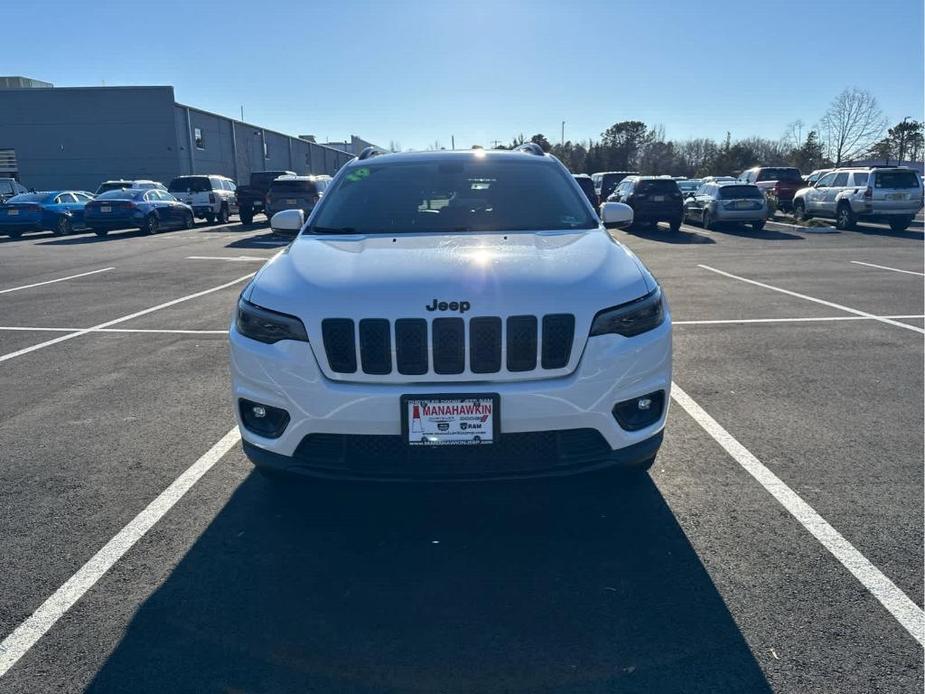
212, 197
888, 194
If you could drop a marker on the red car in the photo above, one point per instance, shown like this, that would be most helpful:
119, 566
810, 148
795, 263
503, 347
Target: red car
780, 182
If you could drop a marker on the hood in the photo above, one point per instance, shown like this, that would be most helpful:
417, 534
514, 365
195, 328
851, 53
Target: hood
459, 275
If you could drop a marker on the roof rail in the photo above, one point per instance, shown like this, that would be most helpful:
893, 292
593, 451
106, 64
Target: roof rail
530, 148
369, 152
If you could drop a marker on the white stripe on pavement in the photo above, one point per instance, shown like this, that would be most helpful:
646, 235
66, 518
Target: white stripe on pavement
830, 304
884, 267
906, 612
14, 646
60, 279
732, 321
233, 259
156, 331
96, 328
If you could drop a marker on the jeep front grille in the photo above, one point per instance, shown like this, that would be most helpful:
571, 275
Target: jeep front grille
447, 346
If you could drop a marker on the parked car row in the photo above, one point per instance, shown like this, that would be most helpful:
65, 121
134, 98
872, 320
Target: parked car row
151, 206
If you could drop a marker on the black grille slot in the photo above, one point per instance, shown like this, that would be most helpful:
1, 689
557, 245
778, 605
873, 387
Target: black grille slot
485, 345
411, 346
558, 334
449, 345
375, 346
340, 344
521, 343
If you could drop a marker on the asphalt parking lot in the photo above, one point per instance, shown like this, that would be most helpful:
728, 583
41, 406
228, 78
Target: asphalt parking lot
777, 547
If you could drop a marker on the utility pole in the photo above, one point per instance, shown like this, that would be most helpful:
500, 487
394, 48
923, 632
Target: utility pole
452, 142
562, 142
242, 114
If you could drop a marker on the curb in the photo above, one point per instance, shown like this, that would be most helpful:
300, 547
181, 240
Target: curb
805, 230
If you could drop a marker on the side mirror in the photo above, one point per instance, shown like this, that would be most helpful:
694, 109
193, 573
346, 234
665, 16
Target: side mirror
288, 221
689, 194
616, 215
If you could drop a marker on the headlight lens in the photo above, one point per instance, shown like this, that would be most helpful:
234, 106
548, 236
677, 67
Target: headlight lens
267, 326
633, 318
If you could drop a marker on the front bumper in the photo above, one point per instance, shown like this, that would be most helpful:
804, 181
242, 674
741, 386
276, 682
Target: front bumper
547, 427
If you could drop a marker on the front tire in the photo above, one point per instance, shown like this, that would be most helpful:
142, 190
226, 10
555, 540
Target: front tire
222, 215
210, 219
152, 225
799, 211
844, 218
188, 221
707, 220
900, 224
675, 226
63, 227
101, 233
247, 216
759, 225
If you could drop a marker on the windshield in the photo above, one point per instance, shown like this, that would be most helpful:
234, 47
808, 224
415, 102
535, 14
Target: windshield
666, 186
468, 194
896, 179
190, 184
121, 194
779, 174
730, 192
293, 187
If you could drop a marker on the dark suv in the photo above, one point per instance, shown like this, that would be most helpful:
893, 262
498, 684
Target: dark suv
653, 200
779, 182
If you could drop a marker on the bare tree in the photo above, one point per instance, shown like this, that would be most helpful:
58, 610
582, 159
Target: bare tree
793, 135
852, 124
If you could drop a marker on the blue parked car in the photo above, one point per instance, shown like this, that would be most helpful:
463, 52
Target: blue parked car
149, 210
58, 211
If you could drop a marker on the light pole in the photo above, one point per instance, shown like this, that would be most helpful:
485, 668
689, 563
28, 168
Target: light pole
562, 141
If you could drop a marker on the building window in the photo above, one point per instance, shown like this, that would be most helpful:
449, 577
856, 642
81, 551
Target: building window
197, 138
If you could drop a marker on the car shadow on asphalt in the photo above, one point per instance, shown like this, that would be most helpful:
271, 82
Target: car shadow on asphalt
571, 586
261, 241
663, 234
117, 235
909, 234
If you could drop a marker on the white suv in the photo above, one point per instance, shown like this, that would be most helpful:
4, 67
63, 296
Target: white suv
452, 315
212, 197
892, 195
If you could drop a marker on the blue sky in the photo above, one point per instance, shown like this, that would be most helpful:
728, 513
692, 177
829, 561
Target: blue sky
416, 72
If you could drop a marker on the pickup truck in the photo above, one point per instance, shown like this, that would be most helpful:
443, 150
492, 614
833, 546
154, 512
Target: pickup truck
252, 197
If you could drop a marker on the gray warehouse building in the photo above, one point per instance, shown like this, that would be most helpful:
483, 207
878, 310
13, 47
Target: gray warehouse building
76, 137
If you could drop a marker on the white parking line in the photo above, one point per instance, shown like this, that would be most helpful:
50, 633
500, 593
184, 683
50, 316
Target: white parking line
884, 267
14, 646
732, 321
60, 279
233, 259
155, 331
906, 612
96, 328
830, 304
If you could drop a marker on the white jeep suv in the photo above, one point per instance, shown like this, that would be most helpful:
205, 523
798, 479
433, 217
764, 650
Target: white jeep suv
452, 315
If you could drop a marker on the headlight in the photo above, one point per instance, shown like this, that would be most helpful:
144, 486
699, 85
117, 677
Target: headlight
633, 318
267, 326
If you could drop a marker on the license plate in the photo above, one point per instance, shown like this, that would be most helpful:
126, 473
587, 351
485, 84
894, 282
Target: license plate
12, 213
105, 208
290, 202
743, 204
896, 196
658, 198
463, 420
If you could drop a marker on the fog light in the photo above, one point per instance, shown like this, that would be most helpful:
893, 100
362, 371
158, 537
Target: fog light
263, 420
640, 412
